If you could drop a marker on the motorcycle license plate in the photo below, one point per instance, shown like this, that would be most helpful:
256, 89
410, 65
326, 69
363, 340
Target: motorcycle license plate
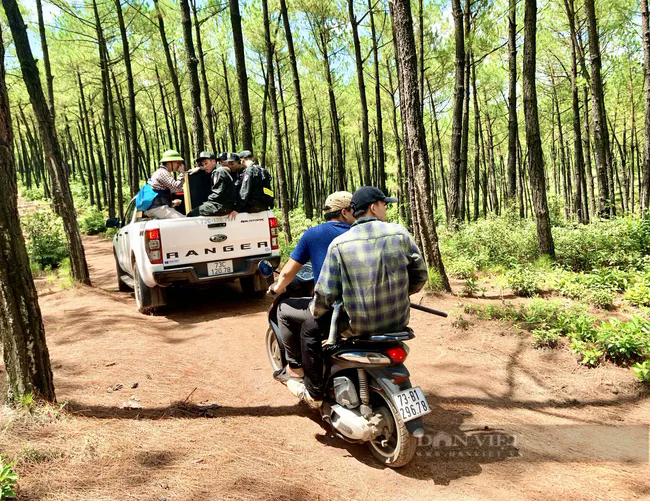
220, 267
411, 403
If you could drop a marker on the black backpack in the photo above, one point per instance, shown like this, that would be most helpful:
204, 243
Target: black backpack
267, 196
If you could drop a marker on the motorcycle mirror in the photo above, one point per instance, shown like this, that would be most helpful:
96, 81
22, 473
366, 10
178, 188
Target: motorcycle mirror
265, 268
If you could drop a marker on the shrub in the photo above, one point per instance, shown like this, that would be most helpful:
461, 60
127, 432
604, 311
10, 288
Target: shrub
46, 243
625, 341
33, 194
639, 293
642, 371
434, 281
601, 298
589, 354
523, 280
8, 479
546, 338
92, 222
461, 267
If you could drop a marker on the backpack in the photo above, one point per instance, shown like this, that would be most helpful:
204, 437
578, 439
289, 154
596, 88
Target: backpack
145, 197
267, 195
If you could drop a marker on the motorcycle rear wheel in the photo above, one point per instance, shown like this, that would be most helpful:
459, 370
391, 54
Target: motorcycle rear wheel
400, 446
273, 351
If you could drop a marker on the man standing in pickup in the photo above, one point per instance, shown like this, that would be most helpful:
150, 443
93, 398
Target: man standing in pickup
162, 184
223, 198
255, 192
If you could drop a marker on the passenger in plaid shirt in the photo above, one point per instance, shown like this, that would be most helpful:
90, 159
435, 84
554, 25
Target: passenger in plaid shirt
372, 268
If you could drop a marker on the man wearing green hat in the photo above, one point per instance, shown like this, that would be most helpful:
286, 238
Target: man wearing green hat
164, 184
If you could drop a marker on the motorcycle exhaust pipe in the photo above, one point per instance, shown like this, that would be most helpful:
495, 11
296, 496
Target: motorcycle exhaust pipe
429, 310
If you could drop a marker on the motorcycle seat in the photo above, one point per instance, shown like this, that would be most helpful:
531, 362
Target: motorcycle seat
383, 337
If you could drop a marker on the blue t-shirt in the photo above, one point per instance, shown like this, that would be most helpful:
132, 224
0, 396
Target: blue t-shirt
314, 243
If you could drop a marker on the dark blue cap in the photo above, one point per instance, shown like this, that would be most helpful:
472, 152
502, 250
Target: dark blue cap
367, 195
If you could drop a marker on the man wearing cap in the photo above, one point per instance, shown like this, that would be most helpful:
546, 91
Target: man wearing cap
255, 193
312, 247
223, 197
164, 184
372, 269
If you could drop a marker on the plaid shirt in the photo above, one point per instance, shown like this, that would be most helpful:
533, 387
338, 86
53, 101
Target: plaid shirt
373, 268
162, 179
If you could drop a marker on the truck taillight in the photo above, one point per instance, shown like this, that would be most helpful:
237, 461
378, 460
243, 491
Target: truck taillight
153, 245
273, 227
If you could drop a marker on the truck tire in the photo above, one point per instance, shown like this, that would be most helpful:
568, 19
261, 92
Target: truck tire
147, 298
248, 287
121, 285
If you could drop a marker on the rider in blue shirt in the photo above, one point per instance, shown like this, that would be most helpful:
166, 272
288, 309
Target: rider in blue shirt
312, 247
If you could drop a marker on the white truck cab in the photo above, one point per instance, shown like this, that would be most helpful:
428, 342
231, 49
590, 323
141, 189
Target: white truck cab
152, 254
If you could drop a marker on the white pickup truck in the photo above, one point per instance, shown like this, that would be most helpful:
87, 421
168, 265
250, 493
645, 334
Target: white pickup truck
152, 254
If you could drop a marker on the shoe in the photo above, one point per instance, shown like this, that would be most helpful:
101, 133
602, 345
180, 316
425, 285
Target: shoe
299, 390
283, 376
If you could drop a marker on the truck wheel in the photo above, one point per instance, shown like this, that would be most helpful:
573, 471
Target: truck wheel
248, 287
121, 285
146, 298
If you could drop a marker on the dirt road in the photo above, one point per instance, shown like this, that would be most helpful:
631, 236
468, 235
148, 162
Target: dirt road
509, 421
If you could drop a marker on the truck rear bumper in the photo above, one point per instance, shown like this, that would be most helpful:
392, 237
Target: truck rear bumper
244, 268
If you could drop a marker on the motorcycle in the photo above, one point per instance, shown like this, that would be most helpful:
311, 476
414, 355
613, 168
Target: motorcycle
369, 397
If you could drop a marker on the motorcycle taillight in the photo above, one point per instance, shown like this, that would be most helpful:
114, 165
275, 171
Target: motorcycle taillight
397, 354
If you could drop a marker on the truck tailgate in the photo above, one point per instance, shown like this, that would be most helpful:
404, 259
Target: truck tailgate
207, 239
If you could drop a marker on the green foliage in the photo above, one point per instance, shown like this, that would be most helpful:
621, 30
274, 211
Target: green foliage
601, 298
33, 194
523, 280
462, 267
625, 341
434, 281
92, 222
8, 480
546, 338
642, 371
589, 354
639, 293
46, 243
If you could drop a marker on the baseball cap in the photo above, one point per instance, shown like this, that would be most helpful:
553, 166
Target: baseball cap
338, 200
367, 195
206, 155
229, 157
245, 154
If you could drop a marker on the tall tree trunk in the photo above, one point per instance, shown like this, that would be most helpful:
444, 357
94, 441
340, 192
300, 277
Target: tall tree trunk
398, 151
170, 139
277, 137
300, 119
365, 134
601, 133
106, 83
533, 139
457, 117
477, 159
242, 77
204, 80
291, 188
192, 65
416, 142
62, 196
231, 118
443, 184
563, 160
46, 58
579, 161
587, 150
22, 334
512, 102
132, 143
180, 110
381, 154
645, 184
264, 122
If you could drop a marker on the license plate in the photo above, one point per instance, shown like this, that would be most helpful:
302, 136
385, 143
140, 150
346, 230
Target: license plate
220, 267
411, 403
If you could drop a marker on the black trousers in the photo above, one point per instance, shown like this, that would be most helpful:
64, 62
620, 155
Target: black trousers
312, 333
291, 315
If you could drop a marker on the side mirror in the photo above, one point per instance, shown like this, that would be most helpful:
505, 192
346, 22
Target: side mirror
113, 222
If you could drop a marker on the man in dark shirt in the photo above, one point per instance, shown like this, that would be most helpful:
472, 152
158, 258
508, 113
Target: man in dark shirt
223, 198
253, 195
312, 247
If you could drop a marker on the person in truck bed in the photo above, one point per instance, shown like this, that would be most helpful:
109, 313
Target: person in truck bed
223, 198
155, 197
255, 193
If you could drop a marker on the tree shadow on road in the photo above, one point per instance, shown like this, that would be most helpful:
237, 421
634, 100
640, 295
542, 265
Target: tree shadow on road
180, 410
